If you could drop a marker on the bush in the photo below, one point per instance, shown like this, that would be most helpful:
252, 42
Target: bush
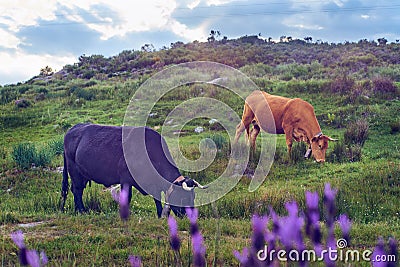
297, 152
22, 103
26, 155
339, 152
84, 93
56, 146
356, 133
7, 94
384, 87
43, 157
354, 153
342, 85
394, 127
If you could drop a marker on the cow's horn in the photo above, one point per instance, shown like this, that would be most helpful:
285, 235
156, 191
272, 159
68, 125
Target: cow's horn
199, 185
332, 139
186, 187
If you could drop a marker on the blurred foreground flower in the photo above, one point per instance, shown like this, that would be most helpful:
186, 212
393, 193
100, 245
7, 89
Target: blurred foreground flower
287, 235
198, 247
173, 233
28, 257
122, 198
135, 261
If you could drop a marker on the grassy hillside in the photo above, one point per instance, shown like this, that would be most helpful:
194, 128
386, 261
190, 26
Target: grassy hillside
348, 85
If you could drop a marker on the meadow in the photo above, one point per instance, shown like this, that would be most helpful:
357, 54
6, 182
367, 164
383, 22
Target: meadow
366, 173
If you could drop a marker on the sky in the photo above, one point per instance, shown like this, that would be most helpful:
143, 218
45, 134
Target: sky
39, 33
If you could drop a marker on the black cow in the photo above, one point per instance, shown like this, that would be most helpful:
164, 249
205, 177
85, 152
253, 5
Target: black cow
96, 153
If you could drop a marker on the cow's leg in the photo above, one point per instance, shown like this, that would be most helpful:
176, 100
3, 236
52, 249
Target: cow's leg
289, 139
247, 118
253, 136
129, 191
239, 130
78, 192
158, 207
78, 185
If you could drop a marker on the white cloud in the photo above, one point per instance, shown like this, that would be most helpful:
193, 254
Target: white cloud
193, 4
199, 33
123, 17
15, 14
307, 23
340, 3
365, 16
217, 2
307, 27
8, 40
19, 66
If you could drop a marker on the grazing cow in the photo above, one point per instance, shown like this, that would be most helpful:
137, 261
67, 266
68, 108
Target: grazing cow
293, 117
96, 153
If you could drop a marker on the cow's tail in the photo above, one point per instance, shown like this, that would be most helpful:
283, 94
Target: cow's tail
65, 185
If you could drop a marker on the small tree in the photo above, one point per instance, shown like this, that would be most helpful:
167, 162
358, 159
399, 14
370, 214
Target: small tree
382, 41
46, 71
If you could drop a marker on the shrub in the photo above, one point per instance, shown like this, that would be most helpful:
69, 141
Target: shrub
354, 153
22, 103
7, 94
24, 155
56, 146
339, 152
219, 140
356, 133
84, 93
384, 87
394, 127
342, 85
297, 152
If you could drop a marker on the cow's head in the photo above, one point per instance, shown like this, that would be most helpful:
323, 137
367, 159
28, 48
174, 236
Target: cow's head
183, 194
319, 145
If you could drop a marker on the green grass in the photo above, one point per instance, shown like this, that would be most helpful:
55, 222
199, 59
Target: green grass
368, 190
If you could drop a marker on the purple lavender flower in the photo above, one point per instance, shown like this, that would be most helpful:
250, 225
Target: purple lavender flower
18, 238
329, 193
393, 251
193, 214
27, 257
331, 246
329, 201
123, 200
259, 226
345, 225
44, 258
275, 221
379, 251
312, 207
173, 232
290, 227
312, 200
33, 258
242, 257
199, 250
135, 261
313, 228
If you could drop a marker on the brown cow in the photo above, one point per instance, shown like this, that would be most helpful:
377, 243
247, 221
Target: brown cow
293, 117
